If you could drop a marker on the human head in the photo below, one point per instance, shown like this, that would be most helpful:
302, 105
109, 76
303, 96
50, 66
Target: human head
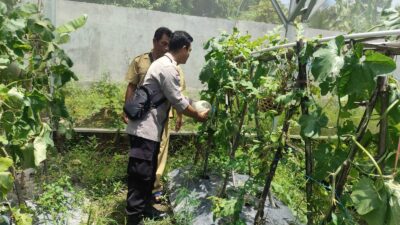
161, 41
180, 46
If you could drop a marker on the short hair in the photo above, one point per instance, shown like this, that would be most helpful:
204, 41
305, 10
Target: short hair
160, 32
179, 39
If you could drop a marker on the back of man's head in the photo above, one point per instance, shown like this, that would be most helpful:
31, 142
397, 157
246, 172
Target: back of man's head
160, 32
179, 39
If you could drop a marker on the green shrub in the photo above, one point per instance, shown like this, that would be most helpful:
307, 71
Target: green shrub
96, 168
99, 105
58, 198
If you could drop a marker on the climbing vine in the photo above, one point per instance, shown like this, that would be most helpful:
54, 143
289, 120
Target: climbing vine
33, 70
335, 89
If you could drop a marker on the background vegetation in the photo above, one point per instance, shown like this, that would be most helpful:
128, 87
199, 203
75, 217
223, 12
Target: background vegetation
341, 15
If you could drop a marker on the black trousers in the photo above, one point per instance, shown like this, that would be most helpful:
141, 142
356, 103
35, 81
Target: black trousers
142, 169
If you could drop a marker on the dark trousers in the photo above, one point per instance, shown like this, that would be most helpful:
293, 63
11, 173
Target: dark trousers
142, 169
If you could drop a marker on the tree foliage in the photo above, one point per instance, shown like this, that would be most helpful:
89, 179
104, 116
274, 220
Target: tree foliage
255, 10
33, 70
340, 73
350, 16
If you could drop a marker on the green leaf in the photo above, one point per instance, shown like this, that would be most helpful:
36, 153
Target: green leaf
365, 196
311, 124
62, 74
391, 18
72, 25
38, 100
63, 38
5, 163
6, 183
358, 74
286, 99
378, 216
274, 137
8, 119
15, 98
40, 147
4, 62
358, 50
354, 78
42, 27
22, 218
394, 202
251, 91
324, 167
370, 201
378, 63
3, 139
27, 9
339, 43
4, 220
306, 52
28, 156
326, 86
327, 61
14, 25
3, 8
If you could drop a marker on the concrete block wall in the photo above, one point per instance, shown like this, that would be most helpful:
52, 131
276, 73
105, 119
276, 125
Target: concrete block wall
113, 35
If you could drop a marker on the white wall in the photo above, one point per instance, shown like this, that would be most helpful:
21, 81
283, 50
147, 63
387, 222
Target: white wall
113, 35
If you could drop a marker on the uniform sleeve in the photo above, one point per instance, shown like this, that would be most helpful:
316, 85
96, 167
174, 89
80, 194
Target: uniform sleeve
182, 82
132, 75
171, 89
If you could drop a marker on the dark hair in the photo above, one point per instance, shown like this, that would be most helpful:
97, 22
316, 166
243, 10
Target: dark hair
179, 39
160, 32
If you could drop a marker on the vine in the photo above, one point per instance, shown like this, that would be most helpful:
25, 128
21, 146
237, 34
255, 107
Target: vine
33, 70
338, 77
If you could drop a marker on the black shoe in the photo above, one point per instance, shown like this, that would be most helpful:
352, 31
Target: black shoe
154, 214
134, 220
157, 197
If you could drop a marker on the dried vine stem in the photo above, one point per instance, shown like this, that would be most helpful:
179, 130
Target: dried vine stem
344, 170
258, 220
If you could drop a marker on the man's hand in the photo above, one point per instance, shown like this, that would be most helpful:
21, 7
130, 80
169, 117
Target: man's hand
179, 122
203, 116
199, 116
125, 118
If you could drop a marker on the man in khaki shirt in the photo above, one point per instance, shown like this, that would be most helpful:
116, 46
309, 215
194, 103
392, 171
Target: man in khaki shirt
163, 80
135, 76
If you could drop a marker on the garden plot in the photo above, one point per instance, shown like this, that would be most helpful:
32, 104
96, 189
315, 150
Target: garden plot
189, 196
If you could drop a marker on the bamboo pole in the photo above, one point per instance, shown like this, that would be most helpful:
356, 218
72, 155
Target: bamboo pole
344, 169
300, 84
383, 123
259, 218
307, 141
369, 35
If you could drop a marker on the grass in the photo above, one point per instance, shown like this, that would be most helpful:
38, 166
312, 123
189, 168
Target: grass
98, 173
99, 104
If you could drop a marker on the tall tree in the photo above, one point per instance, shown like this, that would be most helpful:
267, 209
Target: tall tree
256, 10
262, 11
350, 16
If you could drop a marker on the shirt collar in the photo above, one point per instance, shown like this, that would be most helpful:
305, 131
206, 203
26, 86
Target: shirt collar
171, 57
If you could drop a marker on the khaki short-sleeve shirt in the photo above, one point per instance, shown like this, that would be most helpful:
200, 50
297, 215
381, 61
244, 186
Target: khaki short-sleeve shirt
138, 68
163, 79
137, 71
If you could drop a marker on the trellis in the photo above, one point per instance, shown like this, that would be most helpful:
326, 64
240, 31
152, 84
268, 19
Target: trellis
387, 47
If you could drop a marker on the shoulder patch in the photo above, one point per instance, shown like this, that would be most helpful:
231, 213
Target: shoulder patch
142, 56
